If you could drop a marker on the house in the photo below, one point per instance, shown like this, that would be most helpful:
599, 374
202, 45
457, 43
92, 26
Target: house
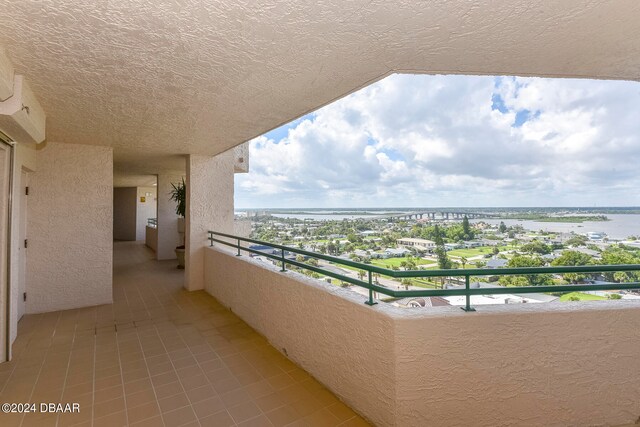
596, 236
592, 253
496, 263
361, 253
396, 253
451, 246
473, 244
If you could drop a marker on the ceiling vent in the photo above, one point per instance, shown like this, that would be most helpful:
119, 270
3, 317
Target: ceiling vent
6, 77
21, 116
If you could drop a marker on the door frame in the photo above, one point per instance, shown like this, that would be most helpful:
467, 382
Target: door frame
22, 249
8, 306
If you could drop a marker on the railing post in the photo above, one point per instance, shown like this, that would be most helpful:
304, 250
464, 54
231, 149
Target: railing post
238, 254
467, 306
283, 262
211, 238
370, 301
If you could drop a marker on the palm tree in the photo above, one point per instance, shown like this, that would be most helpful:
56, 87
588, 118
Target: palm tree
463, 261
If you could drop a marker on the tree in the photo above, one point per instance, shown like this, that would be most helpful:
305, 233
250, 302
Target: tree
502, 227
466, 229
536, 247
569, 258
441, 253
577, 240
331, 248
529, 279
615, 255
463, 261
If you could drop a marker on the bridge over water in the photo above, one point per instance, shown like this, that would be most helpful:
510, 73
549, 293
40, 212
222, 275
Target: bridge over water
442, 214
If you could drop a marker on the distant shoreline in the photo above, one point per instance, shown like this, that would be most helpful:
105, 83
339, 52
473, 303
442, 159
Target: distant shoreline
543, 214
570, 219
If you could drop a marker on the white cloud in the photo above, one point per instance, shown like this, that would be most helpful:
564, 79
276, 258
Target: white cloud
456, 141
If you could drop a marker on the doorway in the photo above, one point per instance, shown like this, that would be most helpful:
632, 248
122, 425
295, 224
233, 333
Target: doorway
6, 172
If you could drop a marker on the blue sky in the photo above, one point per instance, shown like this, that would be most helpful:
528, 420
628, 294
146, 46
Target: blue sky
417, 140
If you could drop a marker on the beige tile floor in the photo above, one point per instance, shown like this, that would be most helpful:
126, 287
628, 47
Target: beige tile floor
158, 356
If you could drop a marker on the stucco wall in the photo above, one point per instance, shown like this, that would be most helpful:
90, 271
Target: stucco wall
168, 236
145, 210
70, 220
525, 365
326, 330
209, 207
124, 213
242, 227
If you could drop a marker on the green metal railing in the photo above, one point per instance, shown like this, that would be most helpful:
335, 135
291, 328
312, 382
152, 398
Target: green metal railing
237, 243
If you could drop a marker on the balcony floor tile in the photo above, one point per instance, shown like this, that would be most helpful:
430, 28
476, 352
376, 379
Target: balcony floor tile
158, 356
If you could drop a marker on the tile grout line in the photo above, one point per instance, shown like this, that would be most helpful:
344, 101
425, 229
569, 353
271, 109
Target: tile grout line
176, 371
126, 414
46, 353
64, 384
149, 376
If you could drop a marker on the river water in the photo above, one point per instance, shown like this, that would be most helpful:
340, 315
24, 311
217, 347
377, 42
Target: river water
620, 226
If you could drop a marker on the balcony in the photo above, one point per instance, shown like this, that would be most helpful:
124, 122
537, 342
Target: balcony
137, 93
159, 355
523, 364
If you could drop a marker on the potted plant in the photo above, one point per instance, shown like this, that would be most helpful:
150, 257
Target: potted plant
178, 194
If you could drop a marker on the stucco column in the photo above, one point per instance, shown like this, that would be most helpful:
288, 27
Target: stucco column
168, 236
209, 207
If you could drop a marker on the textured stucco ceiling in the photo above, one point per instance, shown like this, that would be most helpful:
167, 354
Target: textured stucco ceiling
129, 180
155, 78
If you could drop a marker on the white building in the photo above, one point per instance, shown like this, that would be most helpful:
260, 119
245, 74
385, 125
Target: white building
419, 244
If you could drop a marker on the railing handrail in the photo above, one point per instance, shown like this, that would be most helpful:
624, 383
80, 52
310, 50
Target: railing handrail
466, 273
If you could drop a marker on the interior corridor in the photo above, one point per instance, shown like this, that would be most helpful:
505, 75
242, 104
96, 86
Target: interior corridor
158, 356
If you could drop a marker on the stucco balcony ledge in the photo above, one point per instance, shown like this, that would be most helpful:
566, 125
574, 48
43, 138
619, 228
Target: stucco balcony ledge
525, 364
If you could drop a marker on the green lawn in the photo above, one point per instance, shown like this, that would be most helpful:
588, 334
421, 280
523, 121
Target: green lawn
482, 250
583, 297
390, 262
